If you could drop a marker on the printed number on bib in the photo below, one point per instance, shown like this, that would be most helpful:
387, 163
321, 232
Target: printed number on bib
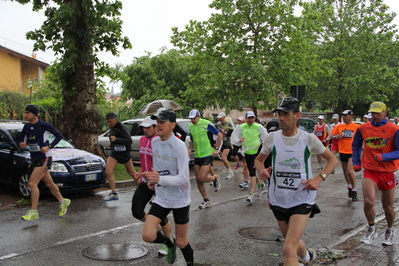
119, 148
34, 147
287, 180
347, 133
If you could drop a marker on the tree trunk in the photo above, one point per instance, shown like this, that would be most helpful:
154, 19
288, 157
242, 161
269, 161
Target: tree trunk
81, 119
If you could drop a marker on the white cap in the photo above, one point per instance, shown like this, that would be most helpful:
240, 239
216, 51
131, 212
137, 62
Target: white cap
369, 116
320, 117
250, 114
194, 113
147, 122
365, 116
221, 114
335, 116
240, 118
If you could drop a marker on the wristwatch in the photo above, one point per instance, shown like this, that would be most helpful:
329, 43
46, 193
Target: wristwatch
323, 175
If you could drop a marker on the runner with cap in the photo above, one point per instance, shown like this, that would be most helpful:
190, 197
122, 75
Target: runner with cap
365, 120
203, 153
334, 142
322, 131
171, 178
376, 150
226, 127
344, 133
251, 135
369, 117
292, 189
236, 147
143, 194
35, 136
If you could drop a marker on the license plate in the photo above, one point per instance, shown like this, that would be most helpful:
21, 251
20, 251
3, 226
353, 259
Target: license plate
92, 177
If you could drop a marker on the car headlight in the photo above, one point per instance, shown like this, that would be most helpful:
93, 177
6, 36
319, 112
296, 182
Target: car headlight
59, 168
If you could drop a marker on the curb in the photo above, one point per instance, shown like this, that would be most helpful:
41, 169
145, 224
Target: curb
122, 184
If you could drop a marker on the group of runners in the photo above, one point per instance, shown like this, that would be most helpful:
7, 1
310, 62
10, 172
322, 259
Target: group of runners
281, 156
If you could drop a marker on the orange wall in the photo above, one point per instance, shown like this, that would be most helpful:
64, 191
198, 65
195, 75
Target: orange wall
10, 73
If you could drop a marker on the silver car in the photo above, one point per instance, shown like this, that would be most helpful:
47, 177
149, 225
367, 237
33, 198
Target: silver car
133, 126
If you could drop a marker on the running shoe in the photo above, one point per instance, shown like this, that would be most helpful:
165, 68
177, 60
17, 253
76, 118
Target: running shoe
354, 196
349, 192
333, 172
251, 197
230, 174
64, 207
238, 165
163, 251
205, 204
31, 215
313, 257
368, 238
244, 185
388, 240
261, 187
172, 253
216, 183
111, 197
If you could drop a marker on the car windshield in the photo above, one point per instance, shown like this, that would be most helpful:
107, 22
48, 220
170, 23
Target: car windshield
63, 144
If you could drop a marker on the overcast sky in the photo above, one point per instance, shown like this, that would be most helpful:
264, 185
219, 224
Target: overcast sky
147, 23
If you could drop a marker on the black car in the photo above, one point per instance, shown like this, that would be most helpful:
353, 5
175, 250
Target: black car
305, 124
72, 169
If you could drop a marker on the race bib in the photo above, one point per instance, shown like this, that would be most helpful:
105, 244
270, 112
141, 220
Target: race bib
319, 134
288, 180
347, 133
119, 148
34, 147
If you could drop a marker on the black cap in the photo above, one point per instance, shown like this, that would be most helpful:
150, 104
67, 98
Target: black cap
165, 115
272, 126
288, 104
33, 109
347, 112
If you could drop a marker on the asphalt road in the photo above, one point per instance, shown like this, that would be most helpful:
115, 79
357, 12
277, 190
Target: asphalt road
230, 232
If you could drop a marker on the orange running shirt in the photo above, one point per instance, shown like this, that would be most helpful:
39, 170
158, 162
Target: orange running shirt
348, 132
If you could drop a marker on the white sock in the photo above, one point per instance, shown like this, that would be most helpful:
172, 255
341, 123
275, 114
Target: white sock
307, 257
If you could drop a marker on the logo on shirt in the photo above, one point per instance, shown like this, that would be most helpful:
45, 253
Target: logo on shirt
376, 142
292, 163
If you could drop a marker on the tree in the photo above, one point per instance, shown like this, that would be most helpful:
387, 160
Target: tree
151, 78
248, 51
12, 104
77, 30
353, 40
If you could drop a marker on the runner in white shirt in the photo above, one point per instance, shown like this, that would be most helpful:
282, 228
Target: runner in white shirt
292, 189
171, 179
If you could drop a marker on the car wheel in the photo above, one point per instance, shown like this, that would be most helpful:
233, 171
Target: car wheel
23, 187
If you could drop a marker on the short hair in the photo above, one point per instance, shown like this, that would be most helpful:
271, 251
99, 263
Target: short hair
111, 116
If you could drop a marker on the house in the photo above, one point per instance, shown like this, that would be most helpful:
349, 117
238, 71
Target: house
18, 72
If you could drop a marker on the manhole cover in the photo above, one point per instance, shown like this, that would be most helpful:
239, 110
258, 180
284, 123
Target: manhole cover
261, 233
115, 252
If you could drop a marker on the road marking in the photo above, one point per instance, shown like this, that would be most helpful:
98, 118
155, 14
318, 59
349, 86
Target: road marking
9, 256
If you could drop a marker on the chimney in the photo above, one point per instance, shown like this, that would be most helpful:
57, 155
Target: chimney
34, 55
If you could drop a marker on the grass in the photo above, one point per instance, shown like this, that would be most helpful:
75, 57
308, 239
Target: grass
121, 174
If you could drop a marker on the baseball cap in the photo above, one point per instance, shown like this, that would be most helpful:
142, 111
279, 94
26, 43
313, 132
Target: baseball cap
147, 122
288, 104
365, 116
321, 117
221, 114
165, 115
347, 112
250, 114
194, 113
377, 107
335, 116
272, 126
240, 118
369, 116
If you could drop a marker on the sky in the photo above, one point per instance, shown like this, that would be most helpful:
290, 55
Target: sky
147, 23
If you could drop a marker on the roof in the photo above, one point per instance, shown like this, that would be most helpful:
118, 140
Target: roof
24, 57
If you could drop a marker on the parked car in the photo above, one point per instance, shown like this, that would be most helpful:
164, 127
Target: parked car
133, 126
72, 169
305, 124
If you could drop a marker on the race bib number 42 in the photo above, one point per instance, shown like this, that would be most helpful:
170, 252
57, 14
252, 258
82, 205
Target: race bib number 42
288, 180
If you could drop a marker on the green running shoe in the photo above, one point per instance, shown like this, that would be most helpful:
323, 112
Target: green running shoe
172, 253
31, 215
64, 207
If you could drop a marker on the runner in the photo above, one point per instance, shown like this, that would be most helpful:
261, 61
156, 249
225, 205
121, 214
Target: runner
322, 131
292, 189
226, 127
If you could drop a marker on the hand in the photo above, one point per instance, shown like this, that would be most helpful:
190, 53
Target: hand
152, 177
265, 174
357, 168
137, 176
215, 153
23, 145
312, 184
44, 149
112, 138
242, 139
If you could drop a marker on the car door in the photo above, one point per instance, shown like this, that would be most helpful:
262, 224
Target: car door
12, 160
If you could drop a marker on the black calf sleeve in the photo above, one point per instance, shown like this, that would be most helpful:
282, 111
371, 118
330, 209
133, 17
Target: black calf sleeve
163, 240
188, 254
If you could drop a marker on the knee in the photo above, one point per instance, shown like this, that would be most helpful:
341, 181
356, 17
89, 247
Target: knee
289, 250
148, 236
108, 172
181, 243
368, 204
